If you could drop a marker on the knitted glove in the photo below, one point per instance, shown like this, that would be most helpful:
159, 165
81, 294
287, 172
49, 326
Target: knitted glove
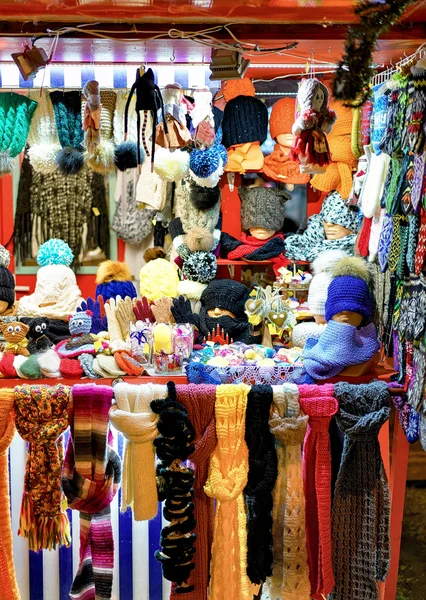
97, 307
182, 311
125, 315
114, 329
161, 310
142, 310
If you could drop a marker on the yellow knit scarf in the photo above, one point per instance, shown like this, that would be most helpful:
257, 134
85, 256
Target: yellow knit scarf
226, 482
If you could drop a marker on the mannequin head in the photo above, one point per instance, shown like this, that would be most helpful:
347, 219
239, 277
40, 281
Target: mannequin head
333, 231
220, 312
262, 210
260, 233
349, 317
320, 319
338, 219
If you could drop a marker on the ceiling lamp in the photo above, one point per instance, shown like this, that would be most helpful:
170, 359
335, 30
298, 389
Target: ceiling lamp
227, 64
30, 61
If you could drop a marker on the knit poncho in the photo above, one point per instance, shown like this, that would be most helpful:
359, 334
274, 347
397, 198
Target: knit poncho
361, 545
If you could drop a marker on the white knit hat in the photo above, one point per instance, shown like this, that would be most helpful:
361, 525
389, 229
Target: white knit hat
43, 138
318, 289
304, 331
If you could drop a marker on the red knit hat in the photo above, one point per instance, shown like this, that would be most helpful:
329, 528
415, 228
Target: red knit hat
238, 87
282, 117
70, 367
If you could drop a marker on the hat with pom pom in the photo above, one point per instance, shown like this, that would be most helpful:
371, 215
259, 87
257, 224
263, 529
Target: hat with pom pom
191, 206
101, 158
114, 279
170, 165
207, 166
67, 109
349, 290
16, 112
7, 281
238, 87
158, 278
318, 288
43, 138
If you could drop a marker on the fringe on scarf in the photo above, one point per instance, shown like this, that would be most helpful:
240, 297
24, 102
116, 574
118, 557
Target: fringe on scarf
43, 532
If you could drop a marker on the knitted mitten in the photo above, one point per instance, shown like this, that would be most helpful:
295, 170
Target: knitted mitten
161, 309
125, 316
363, 238
385, 242
416, 134
319, 404
114, 328
415, 395
361, 554
142, 310
418, 181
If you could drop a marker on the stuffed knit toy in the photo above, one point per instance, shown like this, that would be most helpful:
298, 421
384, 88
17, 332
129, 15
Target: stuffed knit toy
261, 481
81, 340
16, 112
9, 584
131, 414
201, 415
361, 506
7, 284
318, 403
228, 475
67, 108
290, 575
41, 419
90, 479
38, 335
175, 480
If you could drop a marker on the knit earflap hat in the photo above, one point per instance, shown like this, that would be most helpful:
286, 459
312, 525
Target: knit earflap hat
335, 210
16, 112
245, 119
67, 108
262, 207
226, 294
349, 289
7, 282
43, 138
113, 278
318, 288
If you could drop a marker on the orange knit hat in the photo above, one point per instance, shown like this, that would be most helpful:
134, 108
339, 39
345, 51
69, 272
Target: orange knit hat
238, 87
282, 117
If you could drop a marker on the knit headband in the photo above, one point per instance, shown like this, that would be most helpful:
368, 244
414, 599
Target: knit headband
16, 112
41, 418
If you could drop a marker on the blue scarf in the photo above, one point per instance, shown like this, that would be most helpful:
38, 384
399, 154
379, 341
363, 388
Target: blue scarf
339, 346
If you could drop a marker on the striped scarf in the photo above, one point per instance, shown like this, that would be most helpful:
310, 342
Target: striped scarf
41, 418
90, 480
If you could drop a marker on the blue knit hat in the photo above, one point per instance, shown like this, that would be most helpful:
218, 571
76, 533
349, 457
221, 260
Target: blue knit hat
114, 279
112, 289
348, 293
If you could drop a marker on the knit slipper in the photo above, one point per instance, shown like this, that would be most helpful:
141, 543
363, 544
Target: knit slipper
86, 363
49, 363
97, 369
109, 365
71, 368
6, 366
128, 364
29, 367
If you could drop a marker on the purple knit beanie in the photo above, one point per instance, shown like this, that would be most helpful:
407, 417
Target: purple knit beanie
348, 293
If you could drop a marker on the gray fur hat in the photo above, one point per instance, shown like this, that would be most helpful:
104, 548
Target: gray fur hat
262, 207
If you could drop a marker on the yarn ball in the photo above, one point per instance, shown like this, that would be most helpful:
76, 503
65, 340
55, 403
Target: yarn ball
54, 252
43, 157
4, 257
203, 198
102, 159
70, 161
238, 87
200, 266
80, 322
171, 166
126, 156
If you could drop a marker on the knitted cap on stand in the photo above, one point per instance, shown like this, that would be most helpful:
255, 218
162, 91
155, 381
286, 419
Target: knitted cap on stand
7, 281
67, 108
349, 290
43, 138
318, 288
262, 207
282, 117
16, 112
227, 294
335, 210
245, 119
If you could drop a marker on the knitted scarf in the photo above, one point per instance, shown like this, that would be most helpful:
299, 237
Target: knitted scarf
261, 481
175, 482
339, 346
199, 401
226, 482
318, 403
41, 418
131, 414
290, 576
90, 480
361, 507
251, 248
9, 586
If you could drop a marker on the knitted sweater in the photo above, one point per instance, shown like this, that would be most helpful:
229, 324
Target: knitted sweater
361, 544
319, 404
226, 482
9, 586
290, 575
131, 414
199, 401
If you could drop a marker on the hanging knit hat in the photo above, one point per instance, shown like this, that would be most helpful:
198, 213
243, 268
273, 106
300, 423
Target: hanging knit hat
7, 281
207, 165
349, 290
101, 158
318, 288
335, 210
245, 119
191, 201
43, 138
67, 108
227, 294
113, 278
262, 207
158, 278
16, 112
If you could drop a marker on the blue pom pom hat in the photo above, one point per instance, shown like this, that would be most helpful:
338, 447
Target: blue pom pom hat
349, 289
206, 166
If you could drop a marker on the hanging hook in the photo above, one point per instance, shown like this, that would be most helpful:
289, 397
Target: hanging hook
173, 57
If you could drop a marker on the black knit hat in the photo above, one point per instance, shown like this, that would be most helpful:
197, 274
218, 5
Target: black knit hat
227, 294
7, 282
245, 119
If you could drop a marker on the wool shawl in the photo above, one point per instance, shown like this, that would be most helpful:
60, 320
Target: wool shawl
318, 403
199, 401
9, 586
131, 414
261, 481
227, 479
90, 480
41, 419
290, 575
361, 507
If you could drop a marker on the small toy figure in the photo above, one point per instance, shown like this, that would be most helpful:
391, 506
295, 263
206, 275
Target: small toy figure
310, 148
38, 335
15, 335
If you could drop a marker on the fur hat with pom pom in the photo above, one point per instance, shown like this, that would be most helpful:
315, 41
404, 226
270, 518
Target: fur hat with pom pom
349, 290
171, 166
114, 279
318, 289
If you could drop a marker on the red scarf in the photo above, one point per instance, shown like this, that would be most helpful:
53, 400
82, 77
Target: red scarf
251, 244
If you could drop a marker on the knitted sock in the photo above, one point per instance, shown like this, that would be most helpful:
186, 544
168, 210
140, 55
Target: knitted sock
86, 363
319, 404
199, 401
131, 414
290, 575
90, 480
361, 508
261, 481
6, 366
226, 482
420, 256
9, 586
41, 418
